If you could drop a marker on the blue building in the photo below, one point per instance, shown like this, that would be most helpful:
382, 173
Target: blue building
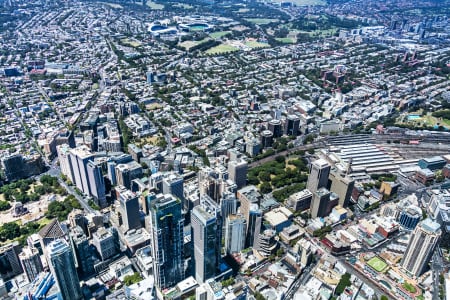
166, 229
410, 217
432, 163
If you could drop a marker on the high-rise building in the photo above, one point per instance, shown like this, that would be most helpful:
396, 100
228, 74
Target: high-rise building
235, 228
31, 262
420, 247
64, 161
300, 200
97, 187
129, 204
276, 128
250, 199
266, 139
206, 236
135, 152
213, 182
292, 125
82, 251
342, 185
126, 172
319, 203
237, 171
173, 185
62, 266
254, 223
9, 261
105, 241
79, 158
318, 175
228, 204
166, 229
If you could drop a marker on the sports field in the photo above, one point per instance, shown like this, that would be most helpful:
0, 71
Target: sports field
221, 49
218, 34
261, 21
377, 264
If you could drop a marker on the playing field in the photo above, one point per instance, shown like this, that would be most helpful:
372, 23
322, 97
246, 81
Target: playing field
258, 21
220, 49
377, 264
285, 40
219, 34
189, 44
131, 43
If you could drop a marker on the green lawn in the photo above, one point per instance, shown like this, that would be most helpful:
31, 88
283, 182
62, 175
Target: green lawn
377, 264
219, 34
285, 40
255, 45
409, 287
189, 44
259, 21
131, 43
220, 49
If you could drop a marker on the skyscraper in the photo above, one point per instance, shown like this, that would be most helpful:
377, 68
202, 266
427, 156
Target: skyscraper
235, 227
250, 198
9, 261
342, 185
79, 158
105, 242
83, 256
97, 187
62, 266
207, 238
292, 125
253, 225
31, 262
237, 171
166, 229
319, 203
173, 185
421, 246
129, 204
318, 175
228, 204
64, 160
126, 172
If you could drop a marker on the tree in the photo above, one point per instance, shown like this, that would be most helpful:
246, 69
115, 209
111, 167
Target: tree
4, 205
280, 159
384, 297
343, 283
9, 231
265, 188
258, 296
228, 282
264, 176
132, 279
